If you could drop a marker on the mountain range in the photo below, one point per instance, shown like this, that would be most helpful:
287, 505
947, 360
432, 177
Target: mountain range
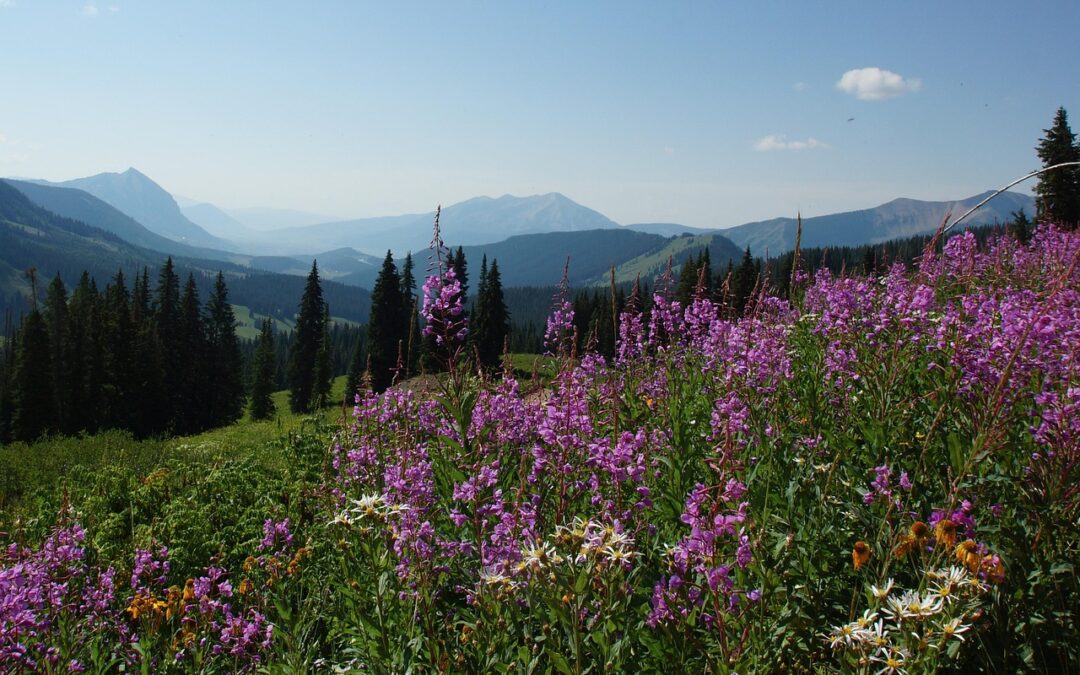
530, 236
34, 237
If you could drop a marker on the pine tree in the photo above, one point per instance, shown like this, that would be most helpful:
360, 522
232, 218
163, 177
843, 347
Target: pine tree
33, 397
121, 383
744, 281
491, 323
306, 340
56, 321
87, 357
385, 325
225, 394
320, 387
688, 278
411, 331
1058, 192
1020, 226
265, 365
190, 413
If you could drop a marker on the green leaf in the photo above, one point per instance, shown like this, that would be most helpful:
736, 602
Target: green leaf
561, 664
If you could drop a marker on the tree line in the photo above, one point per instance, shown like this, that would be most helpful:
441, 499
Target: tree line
151, 360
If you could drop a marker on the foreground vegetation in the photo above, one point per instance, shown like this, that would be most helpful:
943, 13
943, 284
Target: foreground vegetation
877, 476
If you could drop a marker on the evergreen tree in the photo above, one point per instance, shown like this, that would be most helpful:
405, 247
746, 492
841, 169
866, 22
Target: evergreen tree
491, 322
688, 278
305, 347
262, 384
32, 413
320, 388
385, 325
1020, 226
190, 412
87, 359
56, 321
225, 395
411, 332
121, 383
1058, 192
168, 330
743, 282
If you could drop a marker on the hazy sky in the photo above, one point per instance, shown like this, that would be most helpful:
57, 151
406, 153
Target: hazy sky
707, 114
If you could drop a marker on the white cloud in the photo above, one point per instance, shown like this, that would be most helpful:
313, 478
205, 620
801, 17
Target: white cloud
114, 8
7, 3
781, 142
3, 138
668, 150
89, 9
875, 84
800, 86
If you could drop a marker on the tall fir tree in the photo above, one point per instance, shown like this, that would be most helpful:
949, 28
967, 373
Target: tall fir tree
191, 411
1057, 194
411, 331
87, 360
263, 369
225, 393
320, 386
121, 384
386, 325
744, 282
56, 321
491, 319
167, 326
306, 341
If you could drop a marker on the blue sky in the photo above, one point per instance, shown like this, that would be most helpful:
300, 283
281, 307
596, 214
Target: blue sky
708, 114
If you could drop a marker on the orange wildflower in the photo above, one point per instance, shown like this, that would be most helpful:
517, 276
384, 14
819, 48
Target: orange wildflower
945, 532
920, 532
860, 554
967, 554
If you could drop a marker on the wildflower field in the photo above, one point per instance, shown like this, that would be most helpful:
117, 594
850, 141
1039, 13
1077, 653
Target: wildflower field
877, 475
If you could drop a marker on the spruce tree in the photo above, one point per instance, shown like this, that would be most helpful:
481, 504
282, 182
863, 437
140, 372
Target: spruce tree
33, 399
1058, 192
744, 281
688, 278
306, 340
121, 383
491, 319
264, 368
56, 321
225, 394
87, 357
411, 332
191, 413
320, 387
386, 325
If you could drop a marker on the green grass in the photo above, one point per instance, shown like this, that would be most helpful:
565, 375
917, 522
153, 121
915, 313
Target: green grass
653, 263
248, 323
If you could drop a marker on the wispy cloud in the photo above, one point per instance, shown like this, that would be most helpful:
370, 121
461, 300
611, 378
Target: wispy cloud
668, 150
800, 86
781, 142
6, 3
875, 84
89, 9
